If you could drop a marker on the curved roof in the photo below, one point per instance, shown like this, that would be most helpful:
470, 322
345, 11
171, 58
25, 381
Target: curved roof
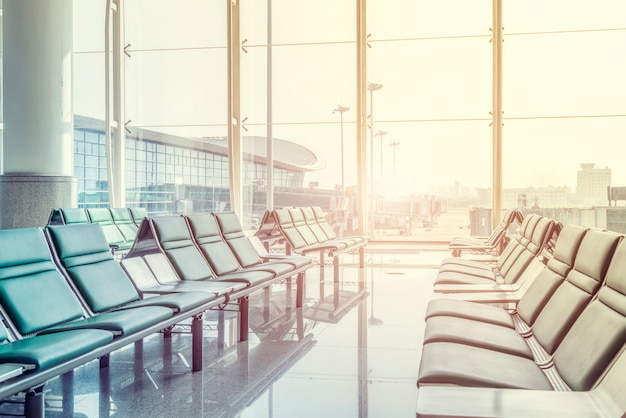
287, 155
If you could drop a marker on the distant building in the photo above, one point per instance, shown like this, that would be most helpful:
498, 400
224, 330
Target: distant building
591, 185
529, 197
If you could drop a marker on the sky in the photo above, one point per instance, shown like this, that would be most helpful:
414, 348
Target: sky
563, 85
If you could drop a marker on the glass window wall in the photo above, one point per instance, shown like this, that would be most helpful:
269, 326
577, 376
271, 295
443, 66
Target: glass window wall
429, 138
564, 108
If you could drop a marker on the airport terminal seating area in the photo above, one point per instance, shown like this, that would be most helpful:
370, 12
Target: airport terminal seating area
553, 347
538, 331
65, 300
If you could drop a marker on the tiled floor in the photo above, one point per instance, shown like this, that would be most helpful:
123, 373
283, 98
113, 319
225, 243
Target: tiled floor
353, 351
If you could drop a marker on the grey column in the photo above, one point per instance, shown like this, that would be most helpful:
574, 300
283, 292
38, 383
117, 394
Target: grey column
38, 113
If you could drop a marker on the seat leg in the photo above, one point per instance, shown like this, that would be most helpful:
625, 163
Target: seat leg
34, 405
105, 393
266, 303
336, 268
243, 318
197, 342
221, 331
67, 384
105, 360
300, 289
362, 256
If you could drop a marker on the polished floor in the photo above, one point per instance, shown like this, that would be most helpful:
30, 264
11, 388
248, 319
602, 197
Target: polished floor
353, 350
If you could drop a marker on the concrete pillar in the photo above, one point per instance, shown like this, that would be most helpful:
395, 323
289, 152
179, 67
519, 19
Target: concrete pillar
38, 113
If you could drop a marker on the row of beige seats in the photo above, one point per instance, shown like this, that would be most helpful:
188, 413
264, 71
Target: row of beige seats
559, 352
512, 271
491, 245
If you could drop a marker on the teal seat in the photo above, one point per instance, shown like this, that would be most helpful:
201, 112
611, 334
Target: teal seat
38, 299
104, 285
138, 215
206, 233
244, 251
114, 236
74, 216
173, 236
44, 351
175, 239
123, 220
35, 298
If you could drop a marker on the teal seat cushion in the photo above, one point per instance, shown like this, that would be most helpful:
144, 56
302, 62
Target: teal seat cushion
279, 268
44, 351
104, 285
84, 252
189, 263
74, 215
175, 239
252, 278
38, 301
178, 302
122, 322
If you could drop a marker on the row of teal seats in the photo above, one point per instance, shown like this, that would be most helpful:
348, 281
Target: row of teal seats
65, 301
119, 224
184, 253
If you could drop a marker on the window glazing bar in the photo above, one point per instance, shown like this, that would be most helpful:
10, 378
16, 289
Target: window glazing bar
235, 154
497, 114
361, 121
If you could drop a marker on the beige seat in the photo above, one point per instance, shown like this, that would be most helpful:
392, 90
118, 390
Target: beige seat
493, 244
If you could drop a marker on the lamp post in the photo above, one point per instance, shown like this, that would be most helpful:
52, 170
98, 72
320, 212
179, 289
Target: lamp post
380, 135
394, 144
341, 110
372, 87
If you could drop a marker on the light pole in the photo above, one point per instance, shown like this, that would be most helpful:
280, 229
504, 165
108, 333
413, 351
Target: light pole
394, 144
342, 109
372, 87
380, 135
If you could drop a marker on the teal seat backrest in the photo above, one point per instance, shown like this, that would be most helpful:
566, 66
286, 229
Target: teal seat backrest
174, 237
102, 216
289, 231
84, 253
207, 235
323, 223
297, 217
124, 222
138, 214
33, 292
239, 244
309, 217
74, 216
